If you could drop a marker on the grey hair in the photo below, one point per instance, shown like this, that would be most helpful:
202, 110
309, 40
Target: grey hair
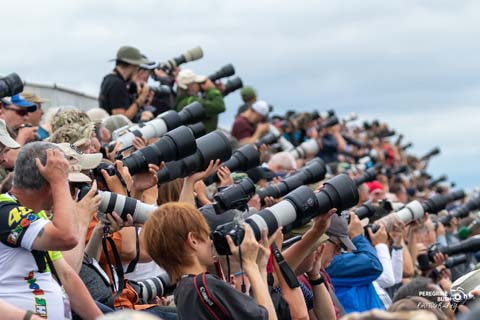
26, 174
285, 160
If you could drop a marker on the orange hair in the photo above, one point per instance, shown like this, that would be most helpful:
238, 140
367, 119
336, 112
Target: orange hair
165, 234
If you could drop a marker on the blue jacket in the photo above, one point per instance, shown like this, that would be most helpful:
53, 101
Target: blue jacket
352, 275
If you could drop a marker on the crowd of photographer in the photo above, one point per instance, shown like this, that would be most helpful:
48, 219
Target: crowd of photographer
144, 205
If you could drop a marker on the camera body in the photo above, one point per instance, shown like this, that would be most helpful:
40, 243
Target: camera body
219, 237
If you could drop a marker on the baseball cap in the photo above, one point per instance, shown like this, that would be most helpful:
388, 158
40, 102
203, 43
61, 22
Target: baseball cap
20, 101
73, 133
339, 228
33, 98
261, 107
187, 76
5, 137
97, 115
150, 65
79, 161
248, 92
375, 186
131, 55
70, 116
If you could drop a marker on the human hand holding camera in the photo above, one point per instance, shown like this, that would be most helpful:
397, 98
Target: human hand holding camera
208, 84
380, 236
355, 227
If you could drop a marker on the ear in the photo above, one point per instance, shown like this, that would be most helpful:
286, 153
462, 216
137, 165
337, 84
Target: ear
192, 240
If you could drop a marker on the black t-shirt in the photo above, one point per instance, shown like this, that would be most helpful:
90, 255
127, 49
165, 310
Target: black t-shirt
114, 93
236, 304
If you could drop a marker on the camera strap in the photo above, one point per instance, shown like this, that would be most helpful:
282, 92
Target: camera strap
216, 310
287, 272
117, 268
133, 263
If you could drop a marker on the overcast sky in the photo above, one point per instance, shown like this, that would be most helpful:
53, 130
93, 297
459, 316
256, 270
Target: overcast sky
413, 64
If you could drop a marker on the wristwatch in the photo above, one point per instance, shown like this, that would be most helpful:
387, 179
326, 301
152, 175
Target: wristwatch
317, 281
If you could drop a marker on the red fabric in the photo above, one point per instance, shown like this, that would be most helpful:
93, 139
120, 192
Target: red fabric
242, 128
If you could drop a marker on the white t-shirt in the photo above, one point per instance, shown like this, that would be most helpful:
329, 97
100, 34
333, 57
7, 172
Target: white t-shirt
21, 283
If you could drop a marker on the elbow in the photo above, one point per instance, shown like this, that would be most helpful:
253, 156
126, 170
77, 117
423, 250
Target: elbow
69, 242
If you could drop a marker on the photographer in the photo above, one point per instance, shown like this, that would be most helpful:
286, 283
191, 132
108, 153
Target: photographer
29, 238
250, 125
114, 90
177, 238
192, 87
249, 96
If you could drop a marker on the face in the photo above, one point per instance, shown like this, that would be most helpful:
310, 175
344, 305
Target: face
35, 117
402, 196
193, 88
13, 115
205, 252
426, 234
307, 263
332, 248
5, 157
142, 75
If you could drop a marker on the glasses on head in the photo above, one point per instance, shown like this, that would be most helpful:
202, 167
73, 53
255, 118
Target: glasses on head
19, 112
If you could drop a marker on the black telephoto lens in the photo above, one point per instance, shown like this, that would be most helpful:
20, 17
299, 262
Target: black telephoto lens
312, 172
235, 196
176, 144
232, 85
462, 211
438, 202
268, 139
10, 85
369, 175
226, 71
244, 158
212, 146
435, 151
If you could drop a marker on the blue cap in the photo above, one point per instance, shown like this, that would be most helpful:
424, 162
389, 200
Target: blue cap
19, 101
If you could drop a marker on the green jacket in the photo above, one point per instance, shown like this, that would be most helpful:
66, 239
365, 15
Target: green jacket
212, 103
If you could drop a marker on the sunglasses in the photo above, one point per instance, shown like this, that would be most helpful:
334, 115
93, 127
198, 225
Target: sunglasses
19, 112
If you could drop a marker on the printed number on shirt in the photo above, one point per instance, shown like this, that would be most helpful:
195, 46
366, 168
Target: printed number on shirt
16, 214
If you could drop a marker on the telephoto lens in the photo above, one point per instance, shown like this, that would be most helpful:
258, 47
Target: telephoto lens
435, 151
312, 172
408, 145
235, 196
306, 149
191, 55
123, 205
434, 182
285, 145
162, 124
373, 211
176, 144
244, 158
461, 212
267, 139
438, 202
10, 85
369, 175
353, 141
330, 122
226, 71
297, 209
212, 146
415, 210
470, 245
158, 286
232, 85
455, 260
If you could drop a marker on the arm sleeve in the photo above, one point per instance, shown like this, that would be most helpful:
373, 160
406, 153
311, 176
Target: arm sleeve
237, 304
360, 267
387, 278
442, 240
20, 226
397, 263
213, 103
118, 96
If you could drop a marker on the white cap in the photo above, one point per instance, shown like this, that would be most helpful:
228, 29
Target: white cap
187, 76
261, 107
97, 115
5, 137
78, 161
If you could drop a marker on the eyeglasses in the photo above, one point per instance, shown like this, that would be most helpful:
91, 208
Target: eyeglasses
339, 245
19, 112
